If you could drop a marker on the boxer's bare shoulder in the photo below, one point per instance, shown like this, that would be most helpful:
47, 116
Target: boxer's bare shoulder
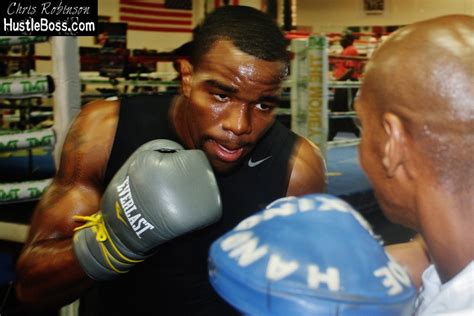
76, 190
308, 169
91, 136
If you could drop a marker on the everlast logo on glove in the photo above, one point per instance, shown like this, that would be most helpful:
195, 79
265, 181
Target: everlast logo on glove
128, 207
142, 207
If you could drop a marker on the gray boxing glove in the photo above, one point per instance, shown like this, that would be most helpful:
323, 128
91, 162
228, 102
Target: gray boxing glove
161, 192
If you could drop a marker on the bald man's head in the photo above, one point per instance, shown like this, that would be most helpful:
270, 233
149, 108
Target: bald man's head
424, 73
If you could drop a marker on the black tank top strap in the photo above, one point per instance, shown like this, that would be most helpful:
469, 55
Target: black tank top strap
141, 119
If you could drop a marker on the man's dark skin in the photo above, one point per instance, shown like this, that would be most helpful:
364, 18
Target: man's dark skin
227, 103
416, 110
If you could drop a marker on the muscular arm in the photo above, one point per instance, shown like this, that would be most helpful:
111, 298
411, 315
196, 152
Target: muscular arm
308, 170
47, 271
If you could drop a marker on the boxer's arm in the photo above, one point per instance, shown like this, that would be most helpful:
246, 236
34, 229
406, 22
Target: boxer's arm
413, 255
307, 170
47, 271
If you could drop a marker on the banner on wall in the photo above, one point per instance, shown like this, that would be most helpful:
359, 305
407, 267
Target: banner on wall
374, 7
157, 15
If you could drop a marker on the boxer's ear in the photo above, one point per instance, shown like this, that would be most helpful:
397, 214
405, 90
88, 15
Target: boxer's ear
186, 70
394, 148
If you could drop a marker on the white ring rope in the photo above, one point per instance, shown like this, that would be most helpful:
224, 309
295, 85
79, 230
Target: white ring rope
22, 191
26, 87
27, 139
344, 142
18, 118
29, 190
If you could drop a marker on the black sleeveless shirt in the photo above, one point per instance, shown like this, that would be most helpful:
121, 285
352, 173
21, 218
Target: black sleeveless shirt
174, 281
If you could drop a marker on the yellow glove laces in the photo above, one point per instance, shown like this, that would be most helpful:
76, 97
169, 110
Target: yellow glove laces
96, 222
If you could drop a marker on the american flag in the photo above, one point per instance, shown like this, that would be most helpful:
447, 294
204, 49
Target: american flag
157, 15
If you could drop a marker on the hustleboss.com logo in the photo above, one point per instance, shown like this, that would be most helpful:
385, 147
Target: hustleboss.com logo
48, 17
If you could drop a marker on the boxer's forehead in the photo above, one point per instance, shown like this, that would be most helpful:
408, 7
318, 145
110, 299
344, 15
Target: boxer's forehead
225, 58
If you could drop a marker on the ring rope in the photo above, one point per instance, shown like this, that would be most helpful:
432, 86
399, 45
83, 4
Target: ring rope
26, 87
22, 191
27, 139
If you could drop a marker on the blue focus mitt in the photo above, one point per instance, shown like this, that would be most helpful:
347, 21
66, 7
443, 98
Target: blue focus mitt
312, 255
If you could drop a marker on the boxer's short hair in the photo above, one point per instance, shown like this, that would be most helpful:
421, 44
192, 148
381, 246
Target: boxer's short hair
250, 30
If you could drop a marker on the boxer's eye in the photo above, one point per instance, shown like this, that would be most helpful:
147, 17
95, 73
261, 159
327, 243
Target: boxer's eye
221, 97
264, 107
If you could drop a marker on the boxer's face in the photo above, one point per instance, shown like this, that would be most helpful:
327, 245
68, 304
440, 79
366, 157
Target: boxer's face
232, 99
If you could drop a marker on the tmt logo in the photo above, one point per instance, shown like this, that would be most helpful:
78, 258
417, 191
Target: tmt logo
40, 85
5, 87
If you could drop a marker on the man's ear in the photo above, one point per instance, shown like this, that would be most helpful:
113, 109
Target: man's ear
394, 149
186, 70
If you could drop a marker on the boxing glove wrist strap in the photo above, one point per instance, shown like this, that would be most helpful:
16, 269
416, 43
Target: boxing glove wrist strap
96, 223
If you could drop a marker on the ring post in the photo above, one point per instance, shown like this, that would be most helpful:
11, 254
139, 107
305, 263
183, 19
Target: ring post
309, 95
67, 97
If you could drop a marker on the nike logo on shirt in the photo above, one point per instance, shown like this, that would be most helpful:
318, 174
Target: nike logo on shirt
253, 164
